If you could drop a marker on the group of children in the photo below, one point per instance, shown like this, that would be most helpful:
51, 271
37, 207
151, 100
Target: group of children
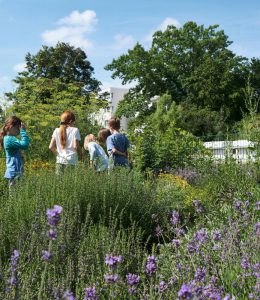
65, 144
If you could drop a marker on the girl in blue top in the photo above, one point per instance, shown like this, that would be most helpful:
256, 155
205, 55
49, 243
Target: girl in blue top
13, 146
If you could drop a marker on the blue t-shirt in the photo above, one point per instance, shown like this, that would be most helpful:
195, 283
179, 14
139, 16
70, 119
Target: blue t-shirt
14, 160
119, 142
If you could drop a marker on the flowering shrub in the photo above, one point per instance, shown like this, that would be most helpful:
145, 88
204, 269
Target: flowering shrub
94, 245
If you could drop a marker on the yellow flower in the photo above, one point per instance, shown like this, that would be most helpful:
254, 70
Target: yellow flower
173, 179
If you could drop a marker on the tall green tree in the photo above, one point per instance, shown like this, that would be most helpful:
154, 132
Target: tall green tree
56, 79
192, 64
63, 61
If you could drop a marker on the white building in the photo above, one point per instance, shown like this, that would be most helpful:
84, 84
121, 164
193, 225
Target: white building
240, 150
113, 96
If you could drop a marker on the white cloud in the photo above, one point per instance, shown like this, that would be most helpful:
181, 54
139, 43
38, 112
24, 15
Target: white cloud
163, 26
169, 21
123, 41
19, 67
86, 19
73, 29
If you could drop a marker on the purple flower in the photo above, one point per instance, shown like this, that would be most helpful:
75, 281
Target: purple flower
215, 248
185, 292
12, 280
112, 261
110, 278
179, 231
238, 204
257, 205
256, 267
245, 264
163, 286
201, 235
200, 274
212, 292
217, 235
52, 234
132, 279
257, 228
192, 246
13, 267
175, 219
151, 265
68, 295
176, 243
198, 206
90, 293
46, 255
173, 280
53, 215
14, 261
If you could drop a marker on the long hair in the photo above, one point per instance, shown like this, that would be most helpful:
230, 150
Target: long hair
66, 119
103, 134
9, 123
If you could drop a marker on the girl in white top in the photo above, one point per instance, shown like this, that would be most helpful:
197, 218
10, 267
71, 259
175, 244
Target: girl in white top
65, 141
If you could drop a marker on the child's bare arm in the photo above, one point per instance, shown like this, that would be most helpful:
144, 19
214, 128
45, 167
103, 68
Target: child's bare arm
114, 150
52, 145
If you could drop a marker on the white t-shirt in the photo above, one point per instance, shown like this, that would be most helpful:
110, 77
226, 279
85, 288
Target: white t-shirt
68, 155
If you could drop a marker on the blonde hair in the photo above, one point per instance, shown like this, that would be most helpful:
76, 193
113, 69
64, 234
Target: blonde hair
89, 138
66, 119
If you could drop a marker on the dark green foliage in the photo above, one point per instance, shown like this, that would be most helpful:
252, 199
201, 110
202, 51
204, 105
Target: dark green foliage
63, 62
195, 66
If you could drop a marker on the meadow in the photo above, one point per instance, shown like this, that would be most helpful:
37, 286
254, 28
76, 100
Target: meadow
184, 234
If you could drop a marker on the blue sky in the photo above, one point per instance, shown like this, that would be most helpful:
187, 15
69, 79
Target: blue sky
107, 28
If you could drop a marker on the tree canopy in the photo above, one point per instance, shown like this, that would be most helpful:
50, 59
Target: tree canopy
193, 64
56, 79
63, 62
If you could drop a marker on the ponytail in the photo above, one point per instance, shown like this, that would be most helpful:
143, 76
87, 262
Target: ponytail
67, 118
63, 137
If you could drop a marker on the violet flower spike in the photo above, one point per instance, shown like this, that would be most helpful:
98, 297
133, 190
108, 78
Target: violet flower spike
46, 255
53, 215
110, 278
132, 279
90, 293
175, 219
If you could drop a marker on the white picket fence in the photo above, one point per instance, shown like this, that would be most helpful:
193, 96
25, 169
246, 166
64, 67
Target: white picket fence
240, 150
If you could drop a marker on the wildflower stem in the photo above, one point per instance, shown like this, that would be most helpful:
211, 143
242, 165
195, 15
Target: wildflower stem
44, 273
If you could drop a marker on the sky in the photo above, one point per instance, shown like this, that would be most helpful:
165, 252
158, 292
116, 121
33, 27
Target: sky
106, 29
